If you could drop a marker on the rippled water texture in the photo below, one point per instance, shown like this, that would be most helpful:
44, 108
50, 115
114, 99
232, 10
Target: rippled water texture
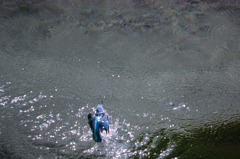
168, 72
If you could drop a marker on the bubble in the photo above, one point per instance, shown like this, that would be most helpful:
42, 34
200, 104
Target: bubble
171, 104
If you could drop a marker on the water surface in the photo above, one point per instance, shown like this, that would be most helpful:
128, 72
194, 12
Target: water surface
168, 72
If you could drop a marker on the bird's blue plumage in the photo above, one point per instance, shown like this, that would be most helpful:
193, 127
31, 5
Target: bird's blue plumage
98, 123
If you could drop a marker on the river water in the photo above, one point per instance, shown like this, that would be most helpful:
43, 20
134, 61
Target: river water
168, 72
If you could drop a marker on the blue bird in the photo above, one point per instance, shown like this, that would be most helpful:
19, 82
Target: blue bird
98, 123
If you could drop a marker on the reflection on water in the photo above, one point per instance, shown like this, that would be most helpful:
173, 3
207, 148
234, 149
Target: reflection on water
168, 72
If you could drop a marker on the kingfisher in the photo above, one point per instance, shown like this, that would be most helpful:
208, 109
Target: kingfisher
98, 122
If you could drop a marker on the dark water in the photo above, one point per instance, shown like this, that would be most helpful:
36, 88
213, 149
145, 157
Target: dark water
168, 72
